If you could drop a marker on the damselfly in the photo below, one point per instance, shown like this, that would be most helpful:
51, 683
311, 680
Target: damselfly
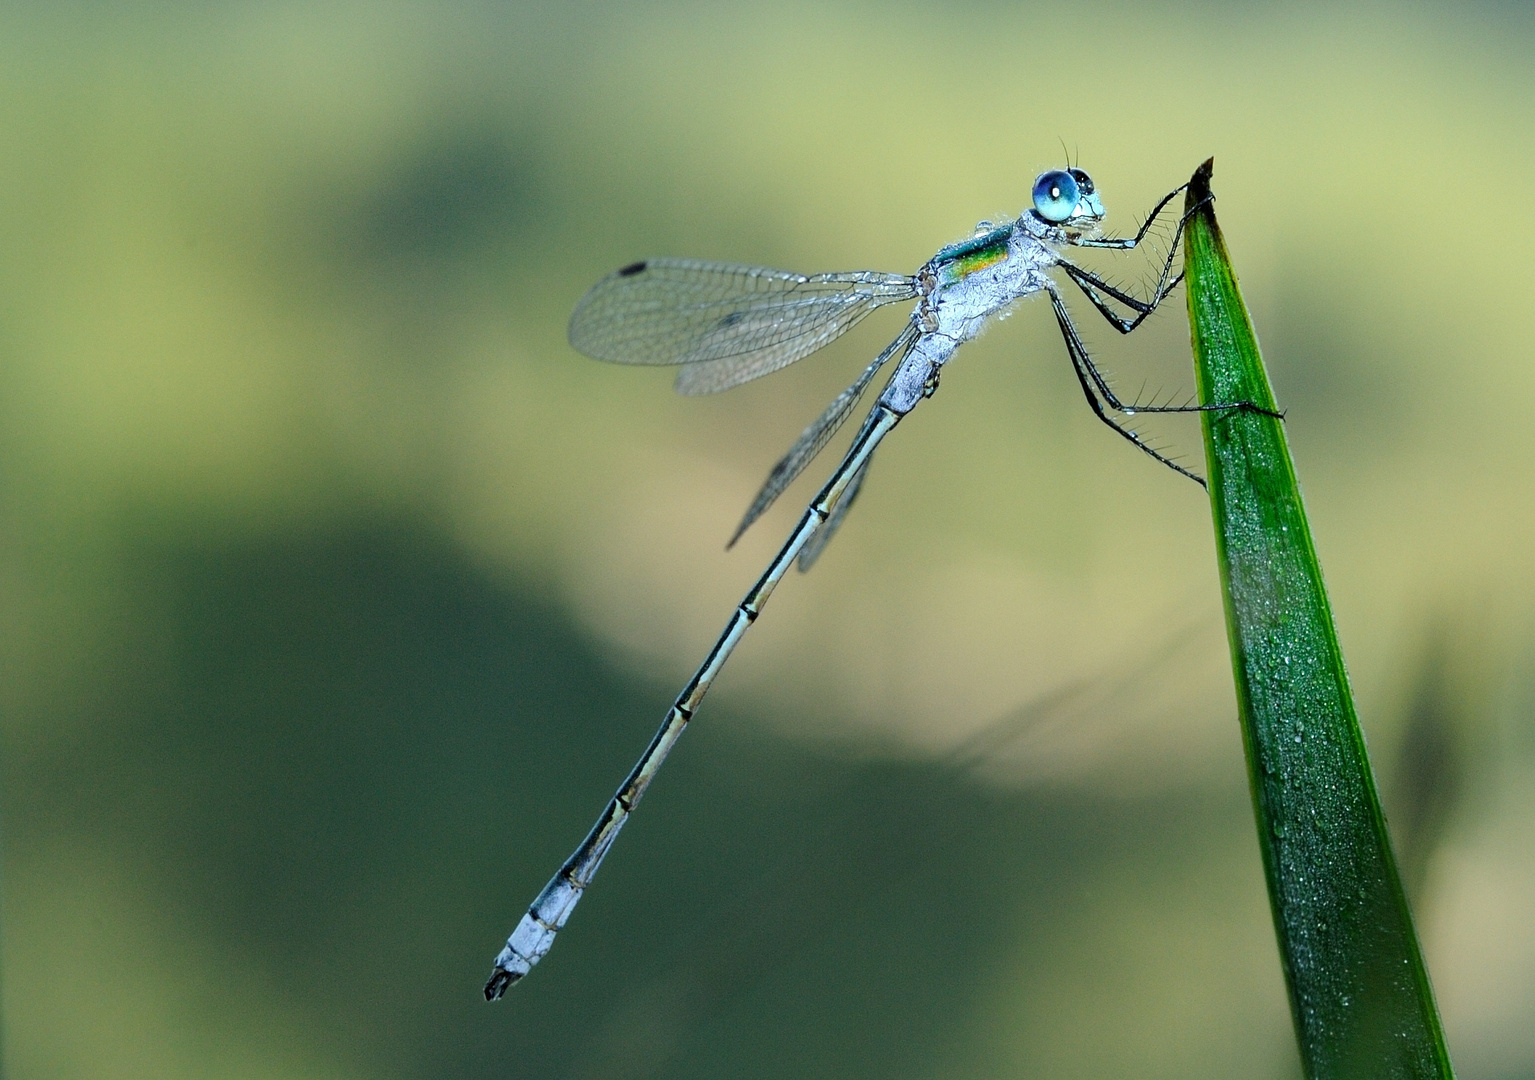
727, 324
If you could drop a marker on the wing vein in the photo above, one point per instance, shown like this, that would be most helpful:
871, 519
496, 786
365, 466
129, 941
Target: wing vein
725, 323
815, 437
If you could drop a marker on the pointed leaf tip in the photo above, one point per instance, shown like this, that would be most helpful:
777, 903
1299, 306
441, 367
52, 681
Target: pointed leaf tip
1199, 185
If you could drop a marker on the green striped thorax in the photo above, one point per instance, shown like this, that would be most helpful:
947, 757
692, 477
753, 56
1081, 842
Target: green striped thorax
958, 261
1061, 197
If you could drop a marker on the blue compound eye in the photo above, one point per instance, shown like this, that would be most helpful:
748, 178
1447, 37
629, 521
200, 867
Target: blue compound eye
1055, 195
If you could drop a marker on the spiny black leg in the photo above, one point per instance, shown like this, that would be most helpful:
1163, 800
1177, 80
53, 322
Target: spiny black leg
1125, 244
1074, 341
1122, 243
1087, 280
1089, 377
1090, 284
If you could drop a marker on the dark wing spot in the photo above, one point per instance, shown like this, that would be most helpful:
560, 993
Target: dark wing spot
632, 269
730, 320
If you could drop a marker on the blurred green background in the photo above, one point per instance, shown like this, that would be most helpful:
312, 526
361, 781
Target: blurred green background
339, 593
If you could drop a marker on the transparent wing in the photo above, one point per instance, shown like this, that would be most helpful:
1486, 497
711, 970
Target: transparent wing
817, 435
725, 323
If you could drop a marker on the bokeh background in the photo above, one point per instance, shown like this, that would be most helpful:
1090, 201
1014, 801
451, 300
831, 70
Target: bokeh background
339, 593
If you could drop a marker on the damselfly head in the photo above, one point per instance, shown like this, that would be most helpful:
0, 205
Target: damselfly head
1063, 195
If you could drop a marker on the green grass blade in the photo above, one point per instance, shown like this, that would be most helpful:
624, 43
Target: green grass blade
1359, 991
